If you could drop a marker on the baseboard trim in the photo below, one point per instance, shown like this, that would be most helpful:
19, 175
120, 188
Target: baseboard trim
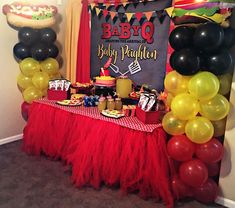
11, 139
225, 202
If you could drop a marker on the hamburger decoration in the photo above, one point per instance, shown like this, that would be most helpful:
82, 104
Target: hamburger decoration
24, 14
194, 12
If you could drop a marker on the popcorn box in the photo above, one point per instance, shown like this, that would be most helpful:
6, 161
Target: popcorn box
150, 117
58, 94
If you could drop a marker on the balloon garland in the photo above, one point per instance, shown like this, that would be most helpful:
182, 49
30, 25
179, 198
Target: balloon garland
197, 89
36, 50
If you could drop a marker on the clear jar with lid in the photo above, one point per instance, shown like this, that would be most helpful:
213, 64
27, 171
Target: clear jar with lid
110, 104
118, 104
102, 104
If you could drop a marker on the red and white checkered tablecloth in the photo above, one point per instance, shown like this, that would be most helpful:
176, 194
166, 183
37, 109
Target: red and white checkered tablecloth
92, 112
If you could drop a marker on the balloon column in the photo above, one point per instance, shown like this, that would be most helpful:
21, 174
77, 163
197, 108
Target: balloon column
36, 51
197, 89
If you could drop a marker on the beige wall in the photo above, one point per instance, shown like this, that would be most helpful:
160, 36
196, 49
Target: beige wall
11, 121
227, 172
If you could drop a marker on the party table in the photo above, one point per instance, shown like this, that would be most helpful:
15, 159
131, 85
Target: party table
121, 152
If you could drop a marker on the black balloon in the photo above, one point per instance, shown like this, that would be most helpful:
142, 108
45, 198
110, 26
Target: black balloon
27, 35
47, 35
53, 51
209, 37
220, 63
186, 62
39, 52
181, 37
229, 37
172, 59
21, 51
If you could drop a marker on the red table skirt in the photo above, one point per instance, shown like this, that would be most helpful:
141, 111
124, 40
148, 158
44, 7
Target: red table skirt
101, 151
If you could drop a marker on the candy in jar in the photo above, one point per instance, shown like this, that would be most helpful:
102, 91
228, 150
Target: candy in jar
118, 104
110, 104
102, 104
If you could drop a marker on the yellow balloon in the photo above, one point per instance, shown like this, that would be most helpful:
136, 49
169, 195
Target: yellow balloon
176, 83
184, 106
44, 92
40, 80
50, 66
225, 83
32, 93
29, 66
173, 125
219, 127
57, 75
204, 85
23, 81
199, 130
215, 109
169, 99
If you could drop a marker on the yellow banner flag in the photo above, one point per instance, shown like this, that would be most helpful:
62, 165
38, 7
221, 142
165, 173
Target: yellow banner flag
169, 11
92, 6
97, 11
129, 16
124, 4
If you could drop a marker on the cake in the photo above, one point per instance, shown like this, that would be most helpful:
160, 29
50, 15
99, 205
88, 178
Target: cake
105, 80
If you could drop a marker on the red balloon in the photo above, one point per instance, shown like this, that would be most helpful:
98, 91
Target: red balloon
180, 148
180, 190
207, 192
210, 152
193, 173
213, 169
25, 110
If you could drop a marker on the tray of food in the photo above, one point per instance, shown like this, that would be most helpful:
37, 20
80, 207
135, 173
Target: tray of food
112, 113
70, 102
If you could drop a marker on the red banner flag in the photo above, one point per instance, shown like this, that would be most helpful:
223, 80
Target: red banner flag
138, 15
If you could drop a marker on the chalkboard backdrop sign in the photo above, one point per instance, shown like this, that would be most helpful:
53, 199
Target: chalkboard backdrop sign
138, 47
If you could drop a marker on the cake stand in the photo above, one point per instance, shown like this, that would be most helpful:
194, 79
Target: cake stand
104, 90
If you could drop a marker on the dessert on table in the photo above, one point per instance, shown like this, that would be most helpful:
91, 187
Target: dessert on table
105, 79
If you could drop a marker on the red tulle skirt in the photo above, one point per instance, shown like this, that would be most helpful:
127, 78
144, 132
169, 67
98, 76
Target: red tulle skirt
101, 152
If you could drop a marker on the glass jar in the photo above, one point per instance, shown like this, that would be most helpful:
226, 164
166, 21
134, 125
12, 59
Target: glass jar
118, 104
123, 86
110, 104
102, 104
